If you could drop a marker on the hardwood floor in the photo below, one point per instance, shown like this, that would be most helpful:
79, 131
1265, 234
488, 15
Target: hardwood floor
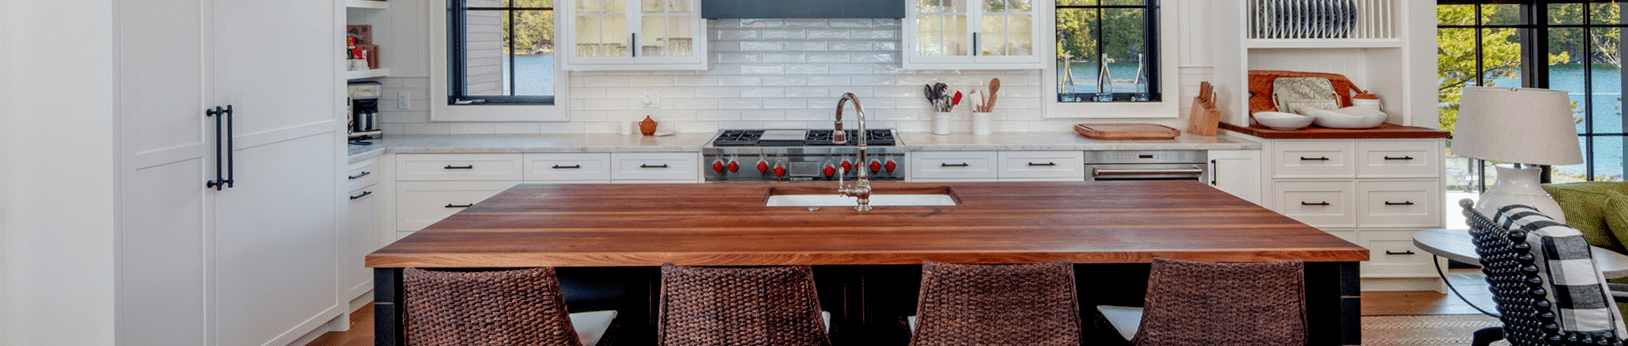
360, 333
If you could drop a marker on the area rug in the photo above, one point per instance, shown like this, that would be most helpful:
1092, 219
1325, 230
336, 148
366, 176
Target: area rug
1424, 329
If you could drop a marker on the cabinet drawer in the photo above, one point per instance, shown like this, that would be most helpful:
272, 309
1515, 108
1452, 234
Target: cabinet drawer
1041, 165
1391, 254
1313, 159
955, 165
656, 166
362, 174
1317, 203
583, 168
420, 204
458, 167
1399, 159
1399, 203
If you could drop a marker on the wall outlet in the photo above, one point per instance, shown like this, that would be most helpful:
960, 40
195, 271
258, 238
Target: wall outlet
404, 100
652, 99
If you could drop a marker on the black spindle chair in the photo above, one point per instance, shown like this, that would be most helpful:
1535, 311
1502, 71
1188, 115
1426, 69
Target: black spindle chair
1517, 288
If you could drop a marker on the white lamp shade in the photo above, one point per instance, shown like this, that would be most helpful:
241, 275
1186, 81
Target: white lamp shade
1526, 125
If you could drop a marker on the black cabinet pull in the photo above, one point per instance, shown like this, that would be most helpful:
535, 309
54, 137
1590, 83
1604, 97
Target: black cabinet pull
633, 46
1399, 158
1043, 164
567, 167
459, 205
1403, 203
974, 50
1303, 158
1310, 203
461, 167
953, 165
654, 166
364, 173
364, 194
1408, 252
222, 179
1212, 172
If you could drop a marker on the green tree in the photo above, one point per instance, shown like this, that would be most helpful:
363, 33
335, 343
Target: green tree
1456, 51
533, 30
1123, 31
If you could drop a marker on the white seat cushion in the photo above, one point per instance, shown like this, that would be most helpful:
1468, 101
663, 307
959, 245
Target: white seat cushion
591, 326
1125, 319
912, 319
826, 316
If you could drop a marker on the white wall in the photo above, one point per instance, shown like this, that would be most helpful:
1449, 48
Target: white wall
764, 73
57, 166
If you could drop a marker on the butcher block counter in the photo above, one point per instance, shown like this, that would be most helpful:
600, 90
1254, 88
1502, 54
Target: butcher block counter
1108, 225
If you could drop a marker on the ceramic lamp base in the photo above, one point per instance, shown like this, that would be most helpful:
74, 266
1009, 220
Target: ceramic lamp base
1518, 185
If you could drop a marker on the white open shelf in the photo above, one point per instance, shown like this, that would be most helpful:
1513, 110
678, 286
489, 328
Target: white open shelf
364, 74
367, 4
1324, 43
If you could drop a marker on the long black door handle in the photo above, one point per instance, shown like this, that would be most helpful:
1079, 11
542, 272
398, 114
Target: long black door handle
231, 146
215, 183
1213, 169
223, 126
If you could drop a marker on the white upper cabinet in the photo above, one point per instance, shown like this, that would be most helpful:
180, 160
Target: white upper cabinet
663, 34
968, 35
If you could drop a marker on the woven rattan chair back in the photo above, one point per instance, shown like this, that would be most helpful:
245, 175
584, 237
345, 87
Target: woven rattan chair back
1517, 289
1204, 303
740, 306
1002, 304
478, 308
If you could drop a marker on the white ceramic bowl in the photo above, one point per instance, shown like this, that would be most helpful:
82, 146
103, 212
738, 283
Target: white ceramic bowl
1283, 121
1349, 118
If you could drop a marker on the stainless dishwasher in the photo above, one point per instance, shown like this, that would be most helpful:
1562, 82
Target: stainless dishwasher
1147, 165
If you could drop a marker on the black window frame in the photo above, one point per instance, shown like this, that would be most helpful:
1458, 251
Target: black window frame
1534, 34
457, 59
1151, 44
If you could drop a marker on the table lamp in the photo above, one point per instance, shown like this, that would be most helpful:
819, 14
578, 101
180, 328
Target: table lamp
1525, 127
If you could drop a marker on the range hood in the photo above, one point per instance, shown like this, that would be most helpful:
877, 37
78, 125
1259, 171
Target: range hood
734, 9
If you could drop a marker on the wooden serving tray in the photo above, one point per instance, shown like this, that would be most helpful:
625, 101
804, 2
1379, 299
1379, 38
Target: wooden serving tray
1126, 131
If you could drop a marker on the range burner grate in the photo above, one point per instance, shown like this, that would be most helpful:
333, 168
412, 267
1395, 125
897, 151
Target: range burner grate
821, 138
872, 137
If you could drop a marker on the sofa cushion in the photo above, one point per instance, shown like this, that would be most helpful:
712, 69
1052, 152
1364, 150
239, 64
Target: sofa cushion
1584, 206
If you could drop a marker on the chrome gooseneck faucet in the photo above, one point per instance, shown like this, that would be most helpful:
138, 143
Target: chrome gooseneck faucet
861, 188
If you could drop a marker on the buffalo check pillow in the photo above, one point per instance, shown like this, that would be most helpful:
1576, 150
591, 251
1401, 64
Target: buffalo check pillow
1583, 303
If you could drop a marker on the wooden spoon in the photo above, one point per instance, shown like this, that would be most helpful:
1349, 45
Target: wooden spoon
994, 91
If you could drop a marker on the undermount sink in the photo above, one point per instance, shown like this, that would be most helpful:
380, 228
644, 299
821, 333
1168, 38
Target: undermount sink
880, 197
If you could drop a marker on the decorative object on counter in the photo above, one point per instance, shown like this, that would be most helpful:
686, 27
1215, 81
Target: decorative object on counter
1282, 121
981, 122
1525, 126
627, 128
938, 95
1126, 131
1260, 88
1365, 99
648, 126
1347, 118
1204, 116
1299, 94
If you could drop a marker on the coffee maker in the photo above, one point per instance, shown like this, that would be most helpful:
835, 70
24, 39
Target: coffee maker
363, 111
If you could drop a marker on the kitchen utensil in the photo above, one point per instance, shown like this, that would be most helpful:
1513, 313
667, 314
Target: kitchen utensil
977, 101
1126, 131
994, 92
956, 101
1204, 117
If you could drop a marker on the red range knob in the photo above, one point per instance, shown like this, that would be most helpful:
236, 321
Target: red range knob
718, 166
734, 166
847, 166
762, 166
891, 166
779, 171
876, 166
830, 171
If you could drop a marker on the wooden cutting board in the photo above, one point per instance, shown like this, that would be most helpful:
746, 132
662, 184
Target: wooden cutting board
1126, 131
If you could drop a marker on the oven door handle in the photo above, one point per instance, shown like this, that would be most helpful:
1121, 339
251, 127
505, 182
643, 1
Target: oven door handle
1097, 172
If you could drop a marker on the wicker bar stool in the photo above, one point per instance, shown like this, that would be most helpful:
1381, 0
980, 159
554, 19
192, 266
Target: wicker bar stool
1002, 304
1199, 303
740, 306
501, 307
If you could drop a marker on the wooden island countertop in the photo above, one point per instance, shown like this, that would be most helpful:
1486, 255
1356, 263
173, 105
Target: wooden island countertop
727, 224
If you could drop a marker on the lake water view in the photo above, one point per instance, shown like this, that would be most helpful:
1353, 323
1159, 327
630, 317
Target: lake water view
536, 73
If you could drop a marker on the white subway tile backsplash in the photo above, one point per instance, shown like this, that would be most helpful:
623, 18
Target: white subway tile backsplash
763, 73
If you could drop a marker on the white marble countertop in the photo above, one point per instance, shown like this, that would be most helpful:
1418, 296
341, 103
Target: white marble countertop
692, 142
926, 141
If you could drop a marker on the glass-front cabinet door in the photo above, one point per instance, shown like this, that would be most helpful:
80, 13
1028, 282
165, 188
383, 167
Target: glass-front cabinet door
973, 34
634, 35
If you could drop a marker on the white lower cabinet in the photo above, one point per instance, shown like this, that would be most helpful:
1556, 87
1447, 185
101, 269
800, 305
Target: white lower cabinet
422, 203
361, 237
647, 168
1237, 172
1372, 192
953, 166
1040, 166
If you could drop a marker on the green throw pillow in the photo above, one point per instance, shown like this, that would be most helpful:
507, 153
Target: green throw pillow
1616, 214
1584, 206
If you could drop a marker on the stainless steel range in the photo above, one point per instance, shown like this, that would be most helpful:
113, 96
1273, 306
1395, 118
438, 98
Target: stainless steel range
799, 155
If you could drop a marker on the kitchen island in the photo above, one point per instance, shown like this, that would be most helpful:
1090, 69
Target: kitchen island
1111, 230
